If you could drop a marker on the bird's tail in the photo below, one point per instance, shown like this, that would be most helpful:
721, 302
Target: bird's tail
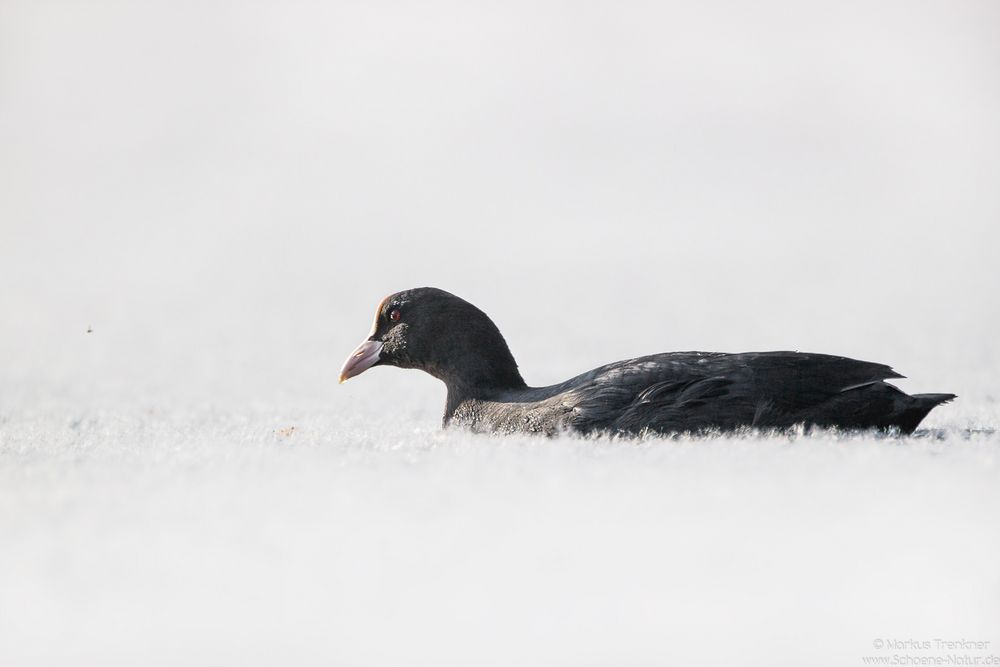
919, 406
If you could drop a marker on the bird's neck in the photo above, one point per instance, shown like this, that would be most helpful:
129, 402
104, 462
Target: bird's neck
474, 362
482, 381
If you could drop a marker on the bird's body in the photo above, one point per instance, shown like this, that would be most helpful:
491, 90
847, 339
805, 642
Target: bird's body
704, 391
663, 393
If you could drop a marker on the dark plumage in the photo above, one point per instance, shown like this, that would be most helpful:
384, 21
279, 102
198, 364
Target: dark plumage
674, 392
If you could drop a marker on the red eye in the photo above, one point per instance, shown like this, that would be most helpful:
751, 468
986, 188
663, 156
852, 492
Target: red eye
395, 315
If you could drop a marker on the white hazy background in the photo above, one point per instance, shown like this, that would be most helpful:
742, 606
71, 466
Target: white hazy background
223, 191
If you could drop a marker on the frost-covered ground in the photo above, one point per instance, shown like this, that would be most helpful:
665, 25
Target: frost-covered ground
226, 538
202, 204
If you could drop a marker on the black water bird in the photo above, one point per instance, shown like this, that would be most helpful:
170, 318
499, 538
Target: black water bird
674, 392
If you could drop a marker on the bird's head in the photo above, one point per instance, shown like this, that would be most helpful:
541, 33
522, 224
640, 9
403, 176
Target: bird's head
437, 332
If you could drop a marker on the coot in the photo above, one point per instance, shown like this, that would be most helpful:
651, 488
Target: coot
674, 392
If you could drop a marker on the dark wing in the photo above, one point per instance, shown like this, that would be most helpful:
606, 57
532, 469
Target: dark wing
697, 391
680, 391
